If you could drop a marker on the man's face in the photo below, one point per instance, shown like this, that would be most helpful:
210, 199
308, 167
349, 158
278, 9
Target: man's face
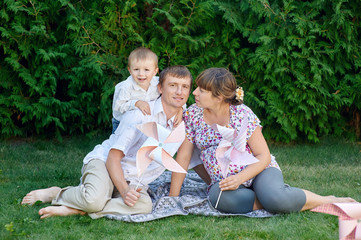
175, 91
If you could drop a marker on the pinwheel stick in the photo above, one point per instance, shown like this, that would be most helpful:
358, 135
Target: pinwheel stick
219, 197
141, 178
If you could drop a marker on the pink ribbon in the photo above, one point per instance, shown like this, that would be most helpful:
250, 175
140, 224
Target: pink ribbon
349, 218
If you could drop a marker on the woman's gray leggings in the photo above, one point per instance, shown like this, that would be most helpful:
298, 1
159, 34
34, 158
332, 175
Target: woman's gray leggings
270, 190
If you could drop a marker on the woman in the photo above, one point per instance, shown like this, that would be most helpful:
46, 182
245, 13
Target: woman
246, 188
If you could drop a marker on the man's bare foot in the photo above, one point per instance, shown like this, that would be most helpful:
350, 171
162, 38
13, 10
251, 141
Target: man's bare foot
45, 195
52, 211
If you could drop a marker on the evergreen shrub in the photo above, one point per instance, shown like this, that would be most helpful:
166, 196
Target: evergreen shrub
298, 61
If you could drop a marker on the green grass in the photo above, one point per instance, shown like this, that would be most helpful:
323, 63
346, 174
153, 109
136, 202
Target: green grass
331, 167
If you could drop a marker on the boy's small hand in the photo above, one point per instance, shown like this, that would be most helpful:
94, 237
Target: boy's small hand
143, 106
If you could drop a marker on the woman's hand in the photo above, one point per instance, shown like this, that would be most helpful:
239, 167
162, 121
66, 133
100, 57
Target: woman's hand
230, 183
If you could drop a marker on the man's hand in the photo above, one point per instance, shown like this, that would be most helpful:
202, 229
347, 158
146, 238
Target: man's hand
131, 196
143, 106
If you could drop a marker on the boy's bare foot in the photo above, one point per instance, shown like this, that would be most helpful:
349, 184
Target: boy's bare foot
45, 195
52, 211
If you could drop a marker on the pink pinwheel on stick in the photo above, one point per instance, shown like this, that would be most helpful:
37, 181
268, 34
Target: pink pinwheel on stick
232, 148
160, 147
349, 218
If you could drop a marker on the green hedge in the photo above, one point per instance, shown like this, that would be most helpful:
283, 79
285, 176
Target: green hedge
298, 61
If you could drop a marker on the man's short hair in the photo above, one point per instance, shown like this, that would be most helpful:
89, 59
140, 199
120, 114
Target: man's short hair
177, 71
142, 53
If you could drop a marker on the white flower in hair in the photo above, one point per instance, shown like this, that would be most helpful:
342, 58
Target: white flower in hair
239, 94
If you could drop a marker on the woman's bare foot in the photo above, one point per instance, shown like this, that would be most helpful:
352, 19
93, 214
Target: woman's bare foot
333, 199
314, 200
52, 211
257, 205
44, 195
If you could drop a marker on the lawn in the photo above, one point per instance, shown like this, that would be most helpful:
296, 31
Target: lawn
330, 167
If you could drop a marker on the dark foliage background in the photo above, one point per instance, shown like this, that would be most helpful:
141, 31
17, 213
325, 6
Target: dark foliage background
298, 61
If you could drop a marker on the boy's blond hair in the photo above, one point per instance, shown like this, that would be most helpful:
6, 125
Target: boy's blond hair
142, 53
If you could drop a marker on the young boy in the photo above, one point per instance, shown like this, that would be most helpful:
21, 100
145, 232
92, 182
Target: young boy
139, 88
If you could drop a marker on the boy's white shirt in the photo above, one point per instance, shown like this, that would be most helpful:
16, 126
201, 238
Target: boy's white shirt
128, 92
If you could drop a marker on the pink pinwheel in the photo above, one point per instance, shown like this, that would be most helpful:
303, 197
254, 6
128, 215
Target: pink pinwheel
160, 146
349, 218
232, 148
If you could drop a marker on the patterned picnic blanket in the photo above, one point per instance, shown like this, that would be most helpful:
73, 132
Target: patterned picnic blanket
192, 200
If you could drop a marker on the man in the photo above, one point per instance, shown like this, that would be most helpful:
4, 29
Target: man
110, 169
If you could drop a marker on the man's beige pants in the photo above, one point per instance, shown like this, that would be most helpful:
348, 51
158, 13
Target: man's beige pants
94, 194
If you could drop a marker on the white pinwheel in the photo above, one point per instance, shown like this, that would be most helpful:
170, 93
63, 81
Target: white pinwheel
232, 148
160, 146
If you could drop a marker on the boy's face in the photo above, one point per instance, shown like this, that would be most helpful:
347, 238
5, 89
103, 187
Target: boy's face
143, 71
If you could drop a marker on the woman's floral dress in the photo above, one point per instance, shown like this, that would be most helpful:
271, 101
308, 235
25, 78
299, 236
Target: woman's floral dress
207, 139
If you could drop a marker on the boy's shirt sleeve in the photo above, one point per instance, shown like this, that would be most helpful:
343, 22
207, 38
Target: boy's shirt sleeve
122, 99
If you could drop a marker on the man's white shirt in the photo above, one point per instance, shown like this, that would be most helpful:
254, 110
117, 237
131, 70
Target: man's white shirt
129, 139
